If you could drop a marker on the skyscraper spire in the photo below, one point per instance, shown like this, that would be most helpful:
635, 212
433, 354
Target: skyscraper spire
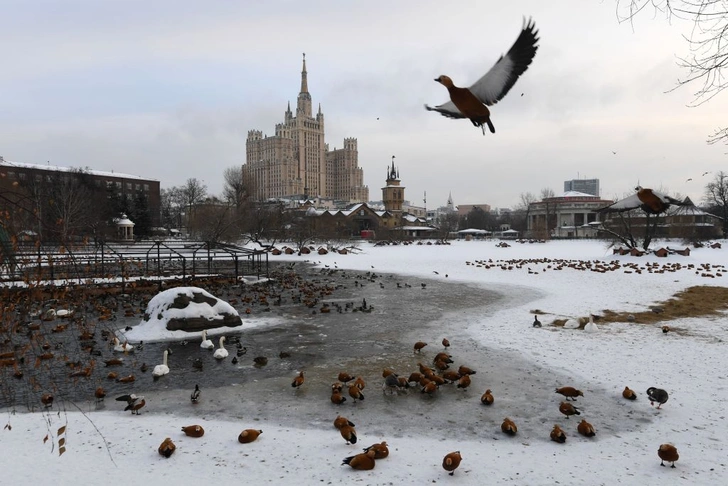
304, 76
304, 97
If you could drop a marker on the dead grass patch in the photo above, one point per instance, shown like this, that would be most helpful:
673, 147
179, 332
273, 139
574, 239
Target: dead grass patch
699, 301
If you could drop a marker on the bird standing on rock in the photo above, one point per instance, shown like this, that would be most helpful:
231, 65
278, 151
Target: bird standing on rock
493, 86
657, 395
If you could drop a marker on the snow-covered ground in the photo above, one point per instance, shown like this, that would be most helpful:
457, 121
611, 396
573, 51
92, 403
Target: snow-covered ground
690, 365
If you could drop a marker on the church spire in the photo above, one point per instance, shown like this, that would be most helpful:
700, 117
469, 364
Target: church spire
304, 97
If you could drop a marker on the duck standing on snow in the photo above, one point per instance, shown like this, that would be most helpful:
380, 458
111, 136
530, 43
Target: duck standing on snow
656, 395
206, 343
161, 369
590, 326
536, 322
221, 352
668, 452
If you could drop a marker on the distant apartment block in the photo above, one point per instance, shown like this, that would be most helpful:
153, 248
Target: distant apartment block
586, 186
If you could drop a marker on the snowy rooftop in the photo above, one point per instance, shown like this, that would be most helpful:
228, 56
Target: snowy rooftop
56, 168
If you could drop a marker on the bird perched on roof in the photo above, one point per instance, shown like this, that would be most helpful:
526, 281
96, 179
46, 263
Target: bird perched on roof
195, 396
451, 462
668, 452
133, 403
473, 102
651, 202
656, 395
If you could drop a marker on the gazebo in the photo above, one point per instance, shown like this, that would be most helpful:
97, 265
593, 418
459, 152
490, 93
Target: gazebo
125, 228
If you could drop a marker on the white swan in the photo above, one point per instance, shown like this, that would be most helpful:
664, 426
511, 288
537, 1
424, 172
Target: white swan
591, 327
206, 343
122, 348
163, 369
221, 352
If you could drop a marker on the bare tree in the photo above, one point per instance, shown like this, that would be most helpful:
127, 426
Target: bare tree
546, 195
716, 197
708, 44
234, 189
192, 193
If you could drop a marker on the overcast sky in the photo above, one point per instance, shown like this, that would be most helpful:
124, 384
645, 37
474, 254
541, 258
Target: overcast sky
169, 88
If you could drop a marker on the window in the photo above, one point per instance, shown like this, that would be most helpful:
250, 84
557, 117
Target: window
138, 187
128, 186
146, 187
11, 175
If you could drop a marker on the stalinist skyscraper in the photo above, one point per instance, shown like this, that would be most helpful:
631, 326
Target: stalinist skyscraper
297, 162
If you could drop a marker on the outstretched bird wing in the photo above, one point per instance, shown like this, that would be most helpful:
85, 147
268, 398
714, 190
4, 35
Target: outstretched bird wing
446, 109
634, 202
495, 84
626, 204
127, 398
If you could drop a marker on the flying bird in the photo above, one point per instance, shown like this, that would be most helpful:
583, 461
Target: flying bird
473, 102
706, 173
651, 202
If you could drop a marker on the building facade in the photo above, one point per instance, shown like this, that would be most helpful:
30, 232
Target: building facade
569, 215
587, 186
296, 162
23, 179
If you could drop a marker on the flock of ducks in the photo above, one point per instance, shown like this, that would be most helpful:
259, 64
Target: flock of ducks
427, 379
536, 266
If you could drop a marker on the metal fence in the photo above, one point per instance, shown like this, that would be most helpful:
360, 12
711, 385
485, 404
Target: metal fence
35, 262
